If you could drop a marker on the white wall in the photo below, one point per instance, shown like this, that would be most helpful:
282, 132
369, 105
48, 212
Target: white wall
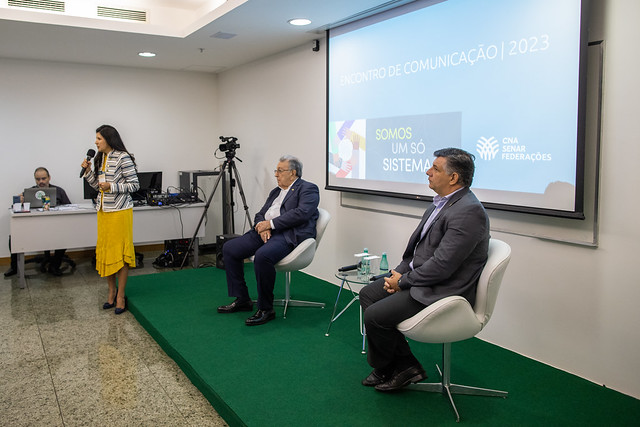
275, 107
569, 306
49, 113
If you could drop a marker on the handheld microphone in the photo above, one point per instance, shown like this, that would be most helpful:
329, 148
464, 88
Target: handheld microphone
379, 276
90, 155
349, 267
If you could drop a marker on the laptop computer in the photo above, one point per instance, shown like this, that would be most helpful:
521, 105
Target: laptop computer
34, 196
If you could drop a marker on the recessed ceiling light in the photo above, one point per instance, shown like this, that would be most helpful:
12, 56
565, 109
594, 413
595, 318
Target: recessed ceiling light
147, 54
299, 21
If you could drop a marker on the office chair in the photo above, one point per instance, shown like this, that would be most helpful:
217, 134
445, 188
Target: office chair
298, 259
453, 319
45, 259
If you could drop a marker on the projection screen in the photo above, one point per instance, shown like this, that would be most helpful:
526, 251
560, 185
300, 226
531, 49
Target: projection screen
502, 79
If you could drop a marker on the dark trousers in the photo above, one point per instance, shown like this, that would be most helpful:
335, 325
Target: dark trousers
382, 312
267, 255
53, 262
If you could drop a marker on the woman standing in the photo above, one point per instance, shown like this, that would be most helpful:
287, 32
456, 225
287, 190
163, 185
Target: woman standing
114, 175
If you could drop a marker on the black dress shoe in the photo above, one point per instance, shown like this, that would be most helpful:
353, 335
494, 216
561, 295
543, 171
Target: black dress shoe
11, 272
376, 377
260, 317
122, 310
412, 374
107, 305
237, 305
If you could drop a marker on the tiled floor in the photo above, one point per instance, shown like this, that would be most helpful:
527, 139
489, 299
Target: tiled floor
64, 361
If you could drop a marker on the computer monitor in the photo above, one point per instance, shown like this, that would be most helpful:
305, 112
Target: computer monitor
89, 192
150, 182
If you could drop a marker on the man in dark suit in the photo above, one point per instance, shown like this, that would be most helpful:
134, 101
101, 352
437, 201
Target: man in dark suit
445, 256
287, 218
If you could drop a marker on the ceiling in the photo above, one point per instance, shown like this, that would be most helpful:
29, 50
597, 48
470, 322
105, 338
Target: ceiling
260, 28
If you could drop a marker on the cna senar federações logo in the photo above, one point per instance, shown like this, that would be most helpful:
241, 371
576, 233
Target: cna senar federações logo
511, 150
487, 148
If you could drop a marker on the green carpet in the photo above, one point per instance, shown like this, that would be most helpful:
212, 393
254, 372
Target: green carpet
288, 373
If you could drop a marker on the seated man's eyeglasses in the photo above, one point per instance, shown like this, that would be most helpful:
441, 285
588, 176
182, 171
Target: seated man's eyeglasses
280, 170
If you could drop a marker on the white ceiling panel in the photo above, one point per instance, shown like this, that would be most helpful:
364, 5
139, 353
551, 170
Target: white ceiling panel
260, 28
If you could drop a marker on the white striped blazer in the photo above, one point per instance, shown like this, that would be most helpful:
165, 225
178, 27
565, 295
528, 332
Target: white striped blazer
121, 173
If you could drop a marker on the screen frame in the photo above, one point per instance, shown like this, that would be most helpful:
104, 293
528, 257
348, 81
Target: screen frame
579, 196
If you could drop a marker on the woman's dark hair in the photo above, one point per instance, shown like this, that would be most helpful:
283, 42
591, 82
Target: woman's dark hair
112, 137
460, 162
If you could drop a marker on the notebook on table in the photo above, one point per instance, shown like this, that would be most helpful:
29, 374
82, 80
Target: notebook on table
34, 196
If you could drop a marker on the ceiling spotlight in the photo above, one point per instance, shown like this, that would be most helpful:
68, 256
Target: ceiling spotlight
299, 21
147, 54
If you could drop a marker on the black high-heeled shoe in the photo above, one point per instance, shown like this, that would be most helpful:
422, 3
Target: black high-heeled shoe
107, 305
121, 310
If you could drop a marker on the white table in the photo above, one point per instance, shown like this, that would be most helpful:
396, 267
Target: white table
38, 231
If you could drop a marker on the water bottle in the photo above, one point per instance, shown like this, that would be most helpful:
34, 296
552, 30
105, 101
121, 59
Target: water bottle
364, 266
384, 264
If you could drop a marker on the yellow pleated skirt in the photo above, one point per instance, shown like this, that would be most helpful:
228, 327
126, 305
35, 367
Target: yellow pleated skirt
115, 242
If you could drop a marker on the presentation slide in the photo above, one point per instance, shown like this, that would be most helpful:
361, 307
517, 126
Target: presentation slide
498, 78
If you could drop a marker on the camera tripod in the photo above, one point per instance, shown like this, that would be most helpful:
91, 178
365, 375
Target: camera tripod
229, 165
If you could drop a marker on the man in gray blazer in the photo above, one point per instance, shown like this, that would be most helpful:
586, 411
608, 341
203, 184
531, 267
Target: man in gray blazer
445, 256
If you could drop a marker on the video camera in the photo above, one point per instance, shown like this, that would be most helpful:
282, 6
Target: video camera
230, 143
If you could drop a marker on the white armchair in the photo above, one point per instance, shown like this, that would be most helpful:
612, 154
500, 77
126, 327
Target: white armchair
300, 258
453, 319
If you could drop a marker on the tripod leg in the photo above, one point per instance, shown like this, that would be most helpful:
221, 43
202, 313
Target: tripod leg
244, 200
225, 165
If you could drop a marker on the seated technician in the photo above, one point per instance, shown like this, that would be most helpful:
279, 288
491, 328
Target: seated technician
287, 218
49, 263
